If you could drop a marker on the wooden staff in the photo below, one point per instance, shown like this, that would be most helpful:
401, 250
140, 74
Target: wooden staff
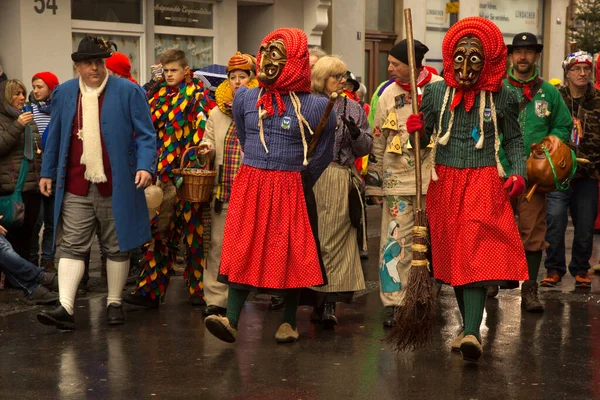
322, 123
416, 317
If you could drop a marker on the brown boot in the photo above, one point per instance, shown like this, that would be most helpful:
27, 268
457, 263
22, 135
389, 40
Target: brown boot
529, 297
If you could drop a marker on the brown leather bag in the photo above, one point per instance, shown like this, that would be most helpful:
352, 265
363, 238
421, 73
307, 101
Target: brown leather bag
539, 170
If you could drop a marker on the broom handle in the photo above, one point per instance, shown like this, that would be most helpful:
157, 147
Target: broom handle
415, 102
322, 123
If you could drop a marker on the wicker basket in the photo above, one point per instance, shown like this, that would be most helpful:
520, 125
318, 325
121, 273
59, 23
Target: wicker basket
197, 183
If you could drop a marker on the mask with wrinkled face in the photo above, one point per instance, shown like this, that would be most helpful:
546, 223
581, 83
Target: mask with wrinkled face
468, 61
273, 59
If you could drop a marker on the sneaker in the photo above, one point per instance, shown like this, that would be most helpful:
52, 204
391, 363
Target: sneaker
551, 280
583, 281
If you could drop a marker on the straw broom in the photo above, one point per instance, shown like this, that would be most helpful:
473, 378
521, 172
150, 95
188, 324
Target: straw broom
416, 317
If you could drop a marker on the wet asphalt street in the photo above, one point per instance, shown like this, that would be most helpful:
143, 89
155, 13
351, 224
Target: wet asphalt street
167, 353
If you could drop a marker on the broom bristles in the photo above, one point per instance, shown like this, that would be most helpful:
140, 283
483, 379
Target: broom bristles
416, 317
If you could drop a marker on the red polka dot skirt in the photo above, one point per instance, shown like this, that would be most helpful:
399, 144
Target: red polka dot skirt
268, 241
474, 235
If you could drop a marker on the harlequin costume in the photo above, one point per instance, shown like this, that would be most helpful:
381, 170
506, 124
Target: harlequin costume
270, 241
473, 233
392, 178
542, 113
179, 115
225, 152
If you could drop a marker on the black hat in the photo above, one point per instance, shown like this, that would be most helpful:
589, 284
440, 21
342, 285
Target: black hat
525, 39
92, 47
350, 78
400, 51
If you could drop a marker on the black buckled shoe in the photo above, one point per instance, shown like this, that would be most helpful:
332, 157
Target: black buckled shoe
114, 314
214, 310
329, 320
277, 303
143, 301
59, 317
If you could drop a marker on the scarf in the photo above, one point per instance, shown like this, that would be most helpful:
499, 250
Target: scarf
526, 85
231, 164
90, 132
423, 79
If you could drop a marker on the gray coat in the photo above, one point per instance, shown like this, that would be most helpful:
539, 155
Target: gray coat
11, 150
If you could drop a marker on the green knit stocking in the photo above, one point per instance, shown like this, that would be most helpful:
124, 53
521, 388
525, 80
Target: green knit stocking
459, 293
292, 301
534, 260
235, 302
474, 298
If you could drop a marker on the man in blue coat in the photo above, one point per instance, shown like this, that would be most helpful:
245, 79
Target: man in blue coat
101, 168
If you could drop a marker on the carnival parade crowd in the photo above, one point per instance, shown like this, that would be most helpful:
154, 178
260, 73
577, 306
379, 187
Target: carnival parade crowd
294, 155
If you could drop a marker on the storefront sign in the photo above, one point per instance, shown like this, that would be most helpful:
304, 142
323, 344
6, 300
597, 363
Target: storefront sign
183, 13
437, 17
514, 16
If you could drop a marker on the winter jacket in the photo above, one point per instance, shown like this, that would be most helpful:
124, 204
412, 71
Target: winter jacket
11, 150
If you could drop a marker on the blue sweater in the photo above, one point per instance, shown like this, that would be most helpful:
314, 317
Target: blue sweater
282, 133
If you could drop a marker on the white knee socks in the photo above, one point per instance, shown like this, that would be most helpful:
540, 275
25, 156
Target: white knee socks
116, 275
70, 273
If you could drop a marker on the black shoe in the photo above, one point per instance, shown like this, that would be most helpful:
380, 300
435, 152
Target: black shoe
50, 280
277, 302
143, 301
388, 315
114, 314
59, 317
329, 320
197, 301
42, 295
214, 310
316, 316
82, 289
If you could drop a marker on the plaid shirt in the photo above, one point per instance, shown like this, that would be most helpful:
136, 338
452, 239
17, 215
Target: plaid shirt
231, 164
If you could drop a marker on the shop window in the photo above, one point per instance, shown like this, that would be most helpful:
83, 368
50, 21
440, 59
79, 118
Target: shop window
128, 45
199, 50
183, 13
124, 11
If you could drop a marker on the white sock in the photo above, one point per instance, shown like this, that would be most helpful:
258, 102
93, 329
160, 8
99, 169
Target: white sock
116, 275
70, 273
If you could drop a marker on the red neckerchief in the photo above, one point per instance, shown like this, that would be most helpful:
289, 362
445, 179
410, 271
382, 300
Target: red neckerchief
527, 92
423, 79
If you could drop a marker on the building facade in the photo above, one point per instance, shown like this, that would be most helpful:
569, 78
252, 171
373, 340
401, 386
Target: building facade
38, 35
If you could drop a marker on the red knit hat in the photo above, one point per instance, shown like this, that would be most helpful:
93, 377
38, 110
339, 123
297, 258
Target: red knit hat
494, 65
49, 79
120, 64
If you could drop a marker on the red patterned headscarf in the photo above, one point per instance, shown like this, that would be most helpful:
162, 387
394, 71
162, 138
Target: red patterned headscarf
494, 65
295, 76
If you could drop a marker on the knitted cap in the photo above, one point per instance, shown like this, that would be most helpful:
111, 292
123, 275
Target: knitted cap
48, 77
579, 57
119, 64
245, 62
400, 52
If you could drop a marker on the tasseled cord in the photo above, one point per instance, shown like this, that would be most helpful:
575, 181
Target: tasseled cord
262, 114
479, 145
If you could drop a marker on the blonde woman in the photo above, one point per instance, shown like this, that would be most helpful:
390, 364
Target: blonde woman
221, 143
337, 233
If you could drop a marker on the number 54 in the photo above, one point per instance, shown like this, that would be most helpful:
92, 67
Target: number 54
43, 6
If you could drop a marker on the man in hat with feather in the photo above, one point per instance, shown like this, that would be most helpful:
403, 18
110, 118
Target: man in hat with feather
101, 169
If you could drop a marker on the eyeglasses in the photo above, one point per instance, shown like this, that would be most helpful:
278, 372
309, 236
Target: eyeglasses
339, 77
585, 69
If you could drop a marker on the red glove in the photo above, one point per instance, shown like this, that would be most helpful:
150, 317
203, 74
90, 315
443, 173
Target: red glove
414, 123
515, 185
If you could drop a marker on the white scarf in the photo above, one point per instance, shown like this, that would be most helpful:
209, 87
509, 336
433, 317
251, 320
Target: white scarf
90, 132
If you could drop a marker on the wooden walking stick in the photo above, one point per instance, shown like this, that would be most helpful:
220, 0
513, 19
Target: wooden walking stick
416, 317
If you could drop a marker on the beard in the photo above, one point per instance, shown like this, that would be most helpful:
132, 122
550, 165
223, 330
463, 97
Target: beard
524, 68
